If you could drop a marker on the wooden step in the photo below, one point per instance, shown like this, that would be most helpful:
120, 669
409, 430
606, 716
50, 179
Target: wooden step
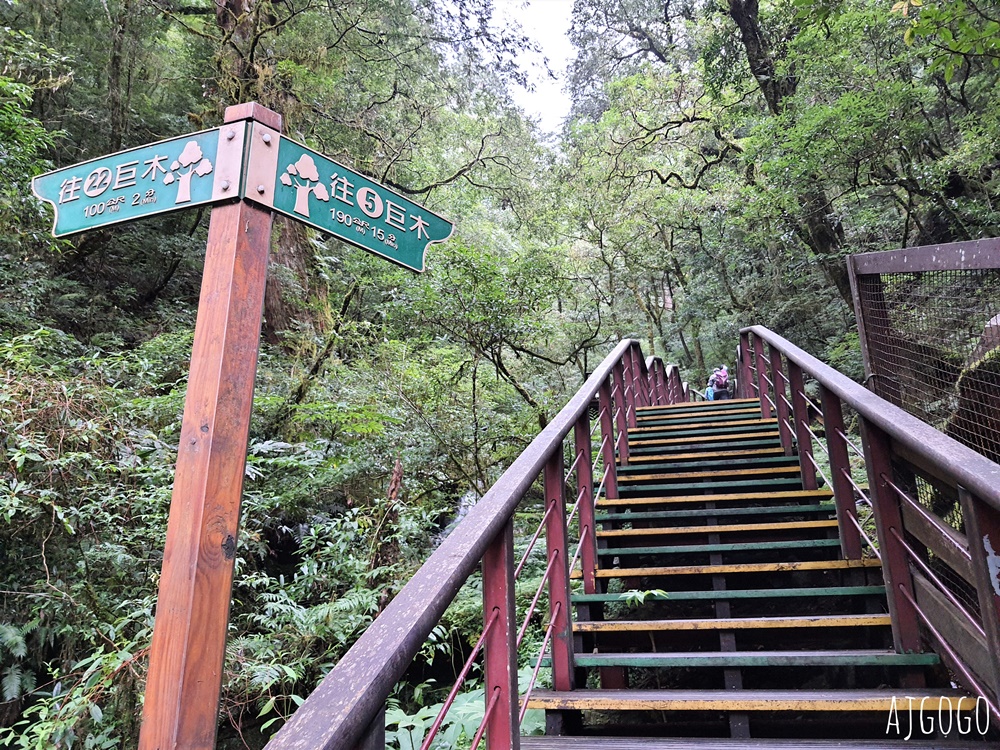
730, 475
718, 497
829, 523
881, 701
719, 743
733, 623
731, 594
737, 461
667, 458
650, 420
760, 484
729, 659
687, 549
694, 435
746, 510
687, 445
768, 567
697, 406
706, 425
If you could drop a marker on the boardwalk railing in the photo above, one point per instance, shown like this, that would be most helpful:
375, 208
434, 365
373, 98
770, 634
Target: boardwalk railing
934, 503
346, 711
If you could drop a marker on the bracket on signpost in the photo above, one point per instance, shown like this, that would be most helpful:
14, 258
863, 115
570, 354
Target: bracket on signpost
246, 169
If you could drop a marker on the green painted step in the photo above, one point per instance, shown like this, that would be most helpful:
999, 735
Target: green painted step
706, 419
765, 426
680, 596
879, 700
735, 547
746, 510
708, 444
733, 474
645, 489
847, 657
704, 463
702, 406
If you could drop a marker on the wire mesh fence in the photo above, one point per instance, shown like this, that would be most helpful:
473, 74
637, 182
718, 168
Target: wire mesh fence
932, 340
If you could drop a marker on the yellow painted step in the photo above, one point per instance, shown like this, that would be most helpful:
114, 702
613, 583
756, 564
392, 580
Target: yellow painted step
767, 567
605, 502
733, 623
667, 530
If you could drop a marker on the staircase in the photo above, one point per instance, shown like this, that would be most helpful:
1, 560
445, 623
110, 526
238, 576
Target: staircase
726, 615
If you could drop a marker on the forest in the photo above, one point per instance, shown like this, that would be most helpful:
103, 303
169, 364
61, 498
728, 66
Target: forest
720, 161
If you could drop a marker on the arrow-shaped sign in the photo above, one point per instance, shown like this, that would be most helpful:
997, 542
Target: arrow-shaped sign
226, 164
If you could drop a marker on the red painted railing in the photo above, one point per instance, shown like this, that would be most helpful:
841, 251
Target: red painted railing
934, 503
346, 710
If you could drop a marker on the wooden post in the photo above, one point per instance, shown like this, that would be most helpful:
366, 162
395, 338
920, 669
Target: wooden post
888, 516
800, 421
557, 546
192, 611
843, 492
500, 647
780, 405
608, 440
744, 380
621, 416
585, 487
758, 352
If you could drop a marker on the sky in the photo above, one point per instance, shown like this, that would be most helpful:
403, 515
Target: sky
547, 22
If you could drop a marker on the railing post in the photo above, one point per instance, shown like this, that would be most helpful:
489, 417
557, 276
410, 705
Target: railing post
639, 383
608, 440
744, 380
758, 351
778, 383
630, 401
585, 488
888, 517
843, 492
557, 548
661, 383
621, 415
800, 419
982, 527
500, 648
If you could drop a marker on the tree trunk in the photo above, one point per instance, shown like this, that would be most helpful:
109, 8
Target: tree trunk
289, 284
818, 226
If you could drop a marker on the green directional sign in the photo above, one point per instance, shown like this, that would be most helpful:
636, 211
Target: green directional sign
249, 161
318, 191
166, 176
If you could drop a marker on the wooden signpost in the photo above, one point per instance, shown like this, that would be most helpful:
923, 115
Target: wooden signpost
246, 170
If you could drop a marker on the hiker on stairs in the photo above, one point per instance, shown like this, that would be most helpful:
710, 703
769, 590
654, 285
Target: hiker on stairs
718, 385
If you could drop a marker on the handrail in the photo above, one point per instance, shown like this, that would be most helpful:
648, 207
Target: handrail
341, 709
897, 446
972, 470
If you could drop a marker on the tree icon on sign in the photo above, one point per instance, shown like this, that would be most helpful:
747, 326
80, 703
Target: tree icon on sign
194, 161
305, 169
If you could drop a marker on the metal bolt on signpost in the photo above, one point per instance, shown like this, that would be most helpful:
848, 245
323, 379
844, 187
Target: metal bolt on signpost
192, 612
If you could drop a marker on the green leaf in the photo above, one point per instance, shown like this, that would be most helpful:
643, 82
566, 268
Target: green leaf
12, 682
